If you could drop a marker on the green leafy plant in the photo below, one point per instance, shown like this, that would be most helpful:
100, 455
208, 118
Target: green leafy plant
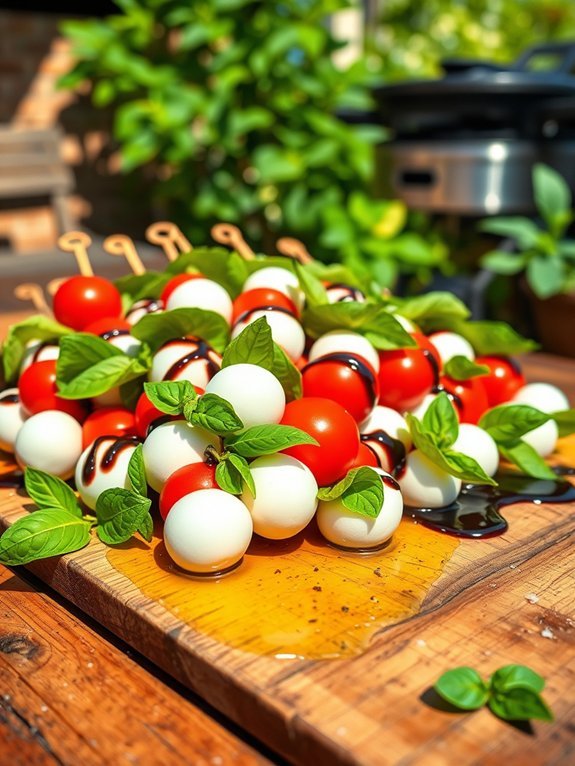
513, 692
542, 252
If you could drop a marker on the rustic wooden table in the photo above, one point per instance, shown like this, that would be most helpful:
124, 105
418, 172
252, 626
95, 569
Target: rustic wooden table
72, 693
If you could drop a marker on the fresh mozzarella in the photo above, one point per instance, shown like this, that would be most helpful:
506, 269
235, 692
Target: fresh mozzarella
185, 359
388, 420
140, 308
255, 394
12, 417
201, 293
478, 444
286, 331
344, 341
103, 465
543, 396
50, 441
37, 351
543, 439
424, 485
171, 446
450, 344
126, 343
279, 279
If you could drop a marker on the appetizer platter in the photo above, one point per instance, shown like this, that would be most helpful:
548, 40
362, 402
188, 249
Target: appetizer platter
300, 496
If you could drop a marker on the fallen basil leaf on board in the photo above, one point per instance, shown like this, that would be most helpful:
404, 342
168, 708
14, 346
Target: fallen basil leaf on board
463, 687
41, 534
49, 491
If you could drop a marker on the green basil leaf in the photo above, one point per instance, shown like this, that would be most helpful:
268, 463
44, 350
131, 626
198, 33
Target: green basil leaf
519, 704
315, 293
216, 415
462, 687
365, 493
523, 230
551, 192
243, 468
337, 489
526, 459
440, 422
40, 328
254, 345
156, 329
264, 261
431, 309
169, 396
371, 320
455, 463
462, 368
508, 422
335, 273
226, 268
140, 286
229, 478
81, 351
45, 533
137, 472
516, 676
502, 262
266, 440
120, 513
100, 378
287, 374
49, 491
546, 276
565, 420
488, 337
146, 527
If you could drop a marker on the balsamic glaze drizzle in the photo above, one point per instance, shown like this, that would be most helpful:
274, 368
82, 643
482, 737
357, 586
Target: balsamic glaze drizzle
109, 457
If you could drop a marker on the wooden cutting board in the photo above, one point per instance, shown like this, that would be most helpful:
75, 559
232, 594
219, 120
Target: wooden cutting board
501, 600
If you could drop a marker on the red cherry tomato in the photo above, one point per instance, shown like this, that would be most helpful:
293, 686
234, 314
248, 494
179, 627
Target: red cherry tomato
406, 376
346, 379
503, 381
335, 431
38, 392
146, 414
176, 282
468, 396
260, 297
424, 343
187, 479
365, 457
106, 325
82, 300
108, 421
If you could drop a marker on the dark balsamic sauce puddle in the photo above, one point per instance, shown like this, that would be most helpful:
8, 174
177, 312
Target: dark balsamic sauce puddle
476, 513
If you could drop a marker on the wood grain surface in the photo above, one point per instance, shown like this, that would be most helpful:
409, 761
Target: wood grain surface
502, 600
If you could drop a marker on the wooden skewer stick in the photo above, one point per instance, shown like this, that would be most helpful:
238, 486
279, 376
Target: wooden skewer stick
294, 248
120, 244
77, 243
169, 237
30, 291
230, 235
54, 284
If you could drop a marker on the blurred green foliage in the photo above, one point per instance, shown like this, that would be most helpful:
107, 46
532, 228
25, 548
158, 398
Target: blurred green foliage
232, 104
412, 36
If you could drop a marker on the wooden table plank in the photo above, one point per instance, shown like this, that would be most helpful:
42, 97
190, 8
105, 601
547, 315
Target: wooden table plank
69, 696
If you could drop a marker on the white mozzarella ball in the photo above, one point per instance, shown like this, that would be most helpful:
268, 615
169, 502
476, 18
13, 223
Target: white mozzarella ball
146, 306
386, 434
287, 332
286, 496
201, 293
424, 485
388, 420
478, 444
50, 441
450, 344
351, 530
185, 359
207, 531
126, 343
543, 396
255, 394
279, 279
173, 445
543, 438
420, 410
104, 465
38, 351
12, 417
344, 341
337, 292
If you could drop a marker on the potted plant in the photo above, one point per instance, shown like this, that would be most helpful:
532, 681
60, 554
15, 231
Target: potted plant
544, 256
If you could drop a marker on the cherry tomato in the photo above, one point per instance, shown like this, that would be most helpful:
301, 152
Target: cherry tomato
146, 414
424, 343
503, 381
38, 392
82, 300
108, 421
261, 297
346, 379
365, 456
333, 428
176, 282
187, 479
468, 396
107, 325
406, 376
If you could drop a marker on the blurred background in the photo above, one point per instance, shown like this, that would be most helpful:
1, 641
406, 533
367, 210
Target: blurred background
295, 118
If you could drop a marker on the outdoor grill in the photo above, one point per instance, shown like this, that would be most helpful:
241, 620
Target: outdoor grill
465, 144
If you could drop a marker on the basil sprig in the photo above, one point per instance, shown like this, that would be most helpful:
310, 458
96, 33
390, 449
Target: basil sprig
506, 424
435, 436
139, 286
158, 328
565, 420
120, 514
40, 328
255, 345
462, 368
361, 491
226, 268
513, 692
312, 288
266, 440
232, 472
